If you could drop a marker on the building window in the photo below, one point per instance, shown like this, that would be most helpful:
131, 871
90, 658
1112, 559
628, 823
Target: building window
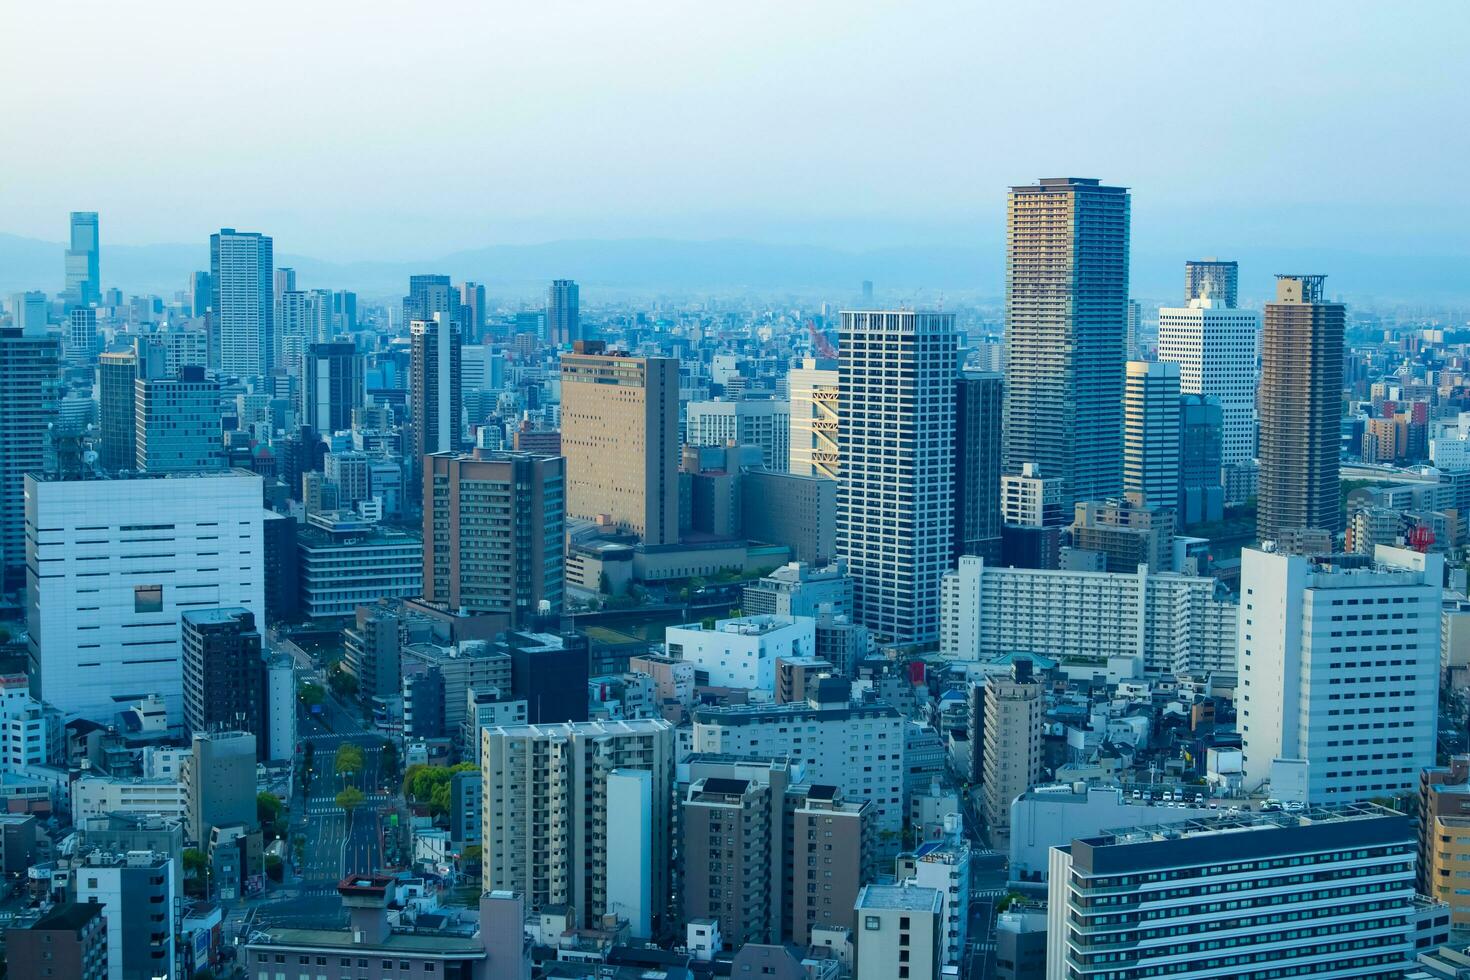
147, 598
870, 922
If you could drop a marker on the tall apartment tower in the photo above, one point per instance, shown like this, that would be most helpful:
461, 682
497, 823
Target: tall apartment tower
1215, 347
620, 437
563, 313
813, 390
430, 294
224, 676
331, 386
1012, 765
979, 399
116, 401
472, 312
727, 836
435, 396
136, 893
1212, 278
1151, 432
568, 821
30, 387
1333, 653
177, 423
493, 533
83, 275
1066, 317
1300, 399
242, 270
895, 500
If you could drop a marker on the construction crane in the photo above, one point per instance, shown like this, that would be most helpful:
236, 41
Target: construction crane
820, 342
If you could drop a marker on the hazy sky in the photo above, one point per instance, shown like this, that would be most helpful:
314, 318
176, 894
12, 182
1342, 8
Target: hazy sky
405, 130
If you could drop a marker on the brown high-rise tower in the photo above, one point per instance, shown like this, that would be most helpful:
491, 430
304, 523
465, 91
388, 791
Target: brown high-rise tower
1300, 407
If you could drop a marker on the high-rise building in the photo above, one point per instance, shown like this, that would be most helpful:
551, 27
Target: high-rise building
1066, 313
435, 396
726, 841
224, 675
1012, 764
124, 560
284, 282
83, 278
564, 810
1300, 399
620, 436
200, 290
303, 317
241, 268
220, 774
79, 337
760, 422
116, 409
1151, 432
895, 499
28, 312
832, 842
177, 423
1211, 278
331, 386
430, 294
136, 893
30, 388
472, 312
813, 392
1215, 348
1201, 494
493, 533
1444, 836
563, 313
1206, 898
68, 941
977, 440
1343, 663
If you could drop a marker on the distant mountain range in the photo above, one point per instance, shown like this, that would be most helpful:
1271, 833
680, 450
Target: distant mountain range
919, 275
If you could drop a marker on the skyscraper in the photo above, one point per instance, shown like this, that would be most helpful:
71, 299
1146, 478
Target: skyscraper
1300, 403
79, 341
435, 397
620, 437
83, 278
242, 265
1201, 494
563, 318
1066, 316
895, 498
331, 386
30, 387
430, 294
977, 438
813, 392
116, 372
1213, 278
472, 312
507, 564
1215, 348
1151, 432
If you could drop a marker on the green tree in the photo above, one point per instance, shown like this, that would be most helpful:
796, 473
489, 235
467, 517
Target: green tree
275, 868
311, 693
343, 684
388, 759
349, 759
350, 799
430, 784
195, 863
268, 811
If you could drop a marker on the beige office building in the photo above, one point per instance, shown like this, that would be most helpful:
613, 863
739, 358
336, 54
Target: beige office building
1013, 709
813, 391
620, 437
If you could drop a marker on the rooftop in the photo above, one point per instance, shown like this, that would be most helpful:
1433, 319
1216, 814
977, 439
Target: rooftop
70, 916
911, 898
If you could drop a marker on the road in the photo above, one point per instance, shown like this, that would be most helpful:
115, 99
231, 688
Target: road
987, 887
339, 843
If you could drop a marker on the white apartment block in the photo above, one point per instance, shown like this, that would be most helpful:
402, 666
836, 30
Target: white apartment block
556, 808
97, 796
30, 732
742, 652
856, 747
1142, 624
945, 867
113, 567
1216, 349
1339, 673
754, 422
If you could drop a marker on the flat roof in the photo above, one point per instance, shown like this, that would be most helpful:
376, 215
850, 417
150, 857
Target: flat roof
912, 898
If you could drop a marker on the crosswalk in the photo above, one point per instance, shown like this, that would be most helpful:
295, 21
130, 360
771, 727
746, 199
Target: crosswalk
329, 808
989, 946
989, 893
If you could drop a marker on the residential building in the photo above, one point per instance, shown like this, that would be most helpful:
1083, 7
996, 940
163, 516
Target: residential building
979, 399
1206, 897
1066, 312
98, 796
347, 561
177, 423
620, 436
136, 893
371, 652
1030, 500
1300, 402
70, 941
760, 422
944, 865
1215, 346
435, 397
79, 336
220, 776
1339, 666
813, 389
30, 730
224, 675
554, 820
331, 386
1151, 432
800, 589
727, 835
242, 266
832, 857
1127, 533
563, 314
83, 268
428, 295
115, 564
742, 652
494, 533
30, 389
899, 932
1444, 836
454, 671
895, 505
1013, 710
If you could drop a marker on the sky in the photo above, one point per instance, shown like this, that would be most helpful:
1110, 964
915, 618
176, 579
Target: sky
353, 131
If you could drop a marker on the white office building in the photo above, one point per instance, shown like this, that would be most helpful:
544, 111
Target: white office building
899, 932
242, 265
1216, 348
945, 867
895, 497
747, 422
1151, 432
742, 652
1138, 624
113, 567
1339, 673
